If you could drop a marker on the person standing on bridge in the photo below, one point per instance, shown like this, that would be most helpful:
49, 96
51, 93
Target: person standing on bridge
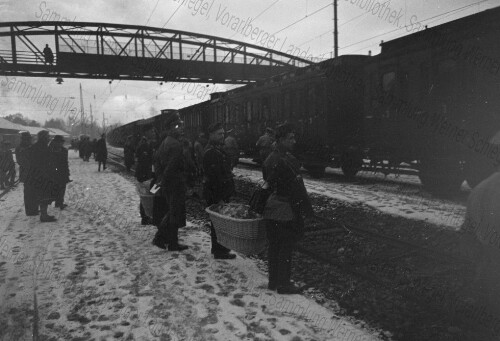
169, 169
284, 209
101, 153
49, 56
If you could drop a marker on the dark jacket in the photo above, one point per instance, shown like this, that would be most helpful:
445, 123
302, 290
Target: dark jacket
144, 155
128, 153
40, 175
101, 151
282, 172
60, 164
22, 160
170, 161
6, 160
264, 145
218, 181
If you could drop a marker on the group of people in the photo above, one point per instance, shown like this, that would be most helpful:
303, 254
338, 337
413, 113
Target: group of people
214, 160
44, 170
96, 147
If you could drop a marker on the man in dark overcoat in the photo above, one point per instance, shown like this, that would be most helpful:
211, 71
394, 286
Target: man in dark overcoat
7, 166
39, 182
101, 153
30, 203
59, 156
170, 171
144, 155
284, 215
264, 144
218, 185
128, 153
231, 148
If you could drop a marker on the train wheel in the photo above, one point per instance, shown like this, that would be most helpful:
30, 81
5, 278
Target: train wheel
350, 170
316, 171
441, 177
351, 165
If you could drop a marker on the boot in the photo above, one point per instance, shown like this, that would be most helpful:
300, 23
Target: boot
44, 217
177, 247
158, 243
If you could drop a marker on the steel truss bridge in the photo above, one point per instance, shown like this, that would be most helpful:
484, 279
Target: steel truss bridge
114, 51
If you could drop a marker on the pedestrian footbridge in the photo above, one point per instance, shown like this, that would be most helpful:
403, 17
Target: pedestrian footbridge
114, 51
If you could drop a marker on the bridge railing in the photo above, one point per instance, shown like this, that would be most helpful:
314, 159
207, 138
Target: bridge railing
110, 48
24, 57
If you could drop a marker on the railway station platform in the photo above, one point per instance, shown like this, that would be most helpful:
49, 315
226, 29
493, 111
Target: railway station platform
94, 275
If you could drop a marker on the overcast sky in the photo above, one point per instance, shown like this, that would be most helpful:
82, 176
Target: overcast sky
306, 24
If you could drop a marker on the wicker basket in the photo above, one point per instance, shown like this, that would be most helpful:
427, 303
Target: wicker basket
247, 236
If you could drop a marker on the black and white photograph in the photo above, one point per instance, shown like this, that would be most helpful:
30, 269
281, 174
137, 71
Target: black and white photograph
261, 170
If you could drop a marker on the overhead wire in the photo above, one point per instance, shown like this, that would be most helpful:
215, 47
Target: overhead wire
424, 20
303, 18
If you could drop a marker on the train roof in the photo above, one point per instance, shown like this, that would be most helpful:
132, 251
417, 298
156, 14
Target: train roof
344, 60
459, 28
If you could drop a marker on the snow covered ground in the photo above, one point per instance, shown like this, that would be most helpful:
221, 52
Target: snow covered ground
401, 200
93, 275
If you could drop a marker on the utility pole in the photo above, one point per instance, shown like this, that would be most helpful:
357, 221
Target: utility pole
91, 120
335, 29
103, 122
82, 110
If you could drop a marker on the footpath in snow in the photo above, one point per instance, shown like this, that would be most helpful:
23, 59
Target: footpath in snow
94, 275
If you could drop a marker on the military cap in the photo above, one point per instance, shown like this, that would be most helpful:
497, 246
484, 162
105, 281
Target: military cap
58, 138
171, 119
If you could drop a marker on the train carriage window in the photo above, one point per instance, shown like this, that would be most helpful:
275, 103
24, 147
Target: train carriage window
388, 80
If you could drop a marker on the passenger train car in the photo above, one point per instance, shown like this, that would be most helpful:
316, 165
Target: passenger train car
429, 99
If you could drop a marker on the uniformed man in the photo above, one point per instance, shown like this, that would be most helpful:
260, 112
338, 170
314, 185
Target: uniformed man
218, 185
39, 182
231, 148
264, 144
30, 203
60, 161
170, 170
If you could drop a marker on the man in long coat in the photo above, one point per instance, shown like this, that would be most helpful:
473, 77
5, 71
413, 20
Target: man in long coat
59, 156
218, 185
7, 166
264, 144
101, 153
231, 148
144, 155
39, 182
170, 171
30, 202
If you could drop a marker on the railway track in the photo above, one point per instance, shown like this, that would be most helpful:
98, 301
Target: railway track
332, 227
395, 250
